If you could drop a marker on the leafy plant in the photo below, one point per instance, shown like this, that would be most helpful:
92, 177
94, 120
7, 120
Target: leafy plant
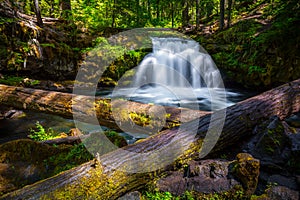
159, 196
11, 80
40, 133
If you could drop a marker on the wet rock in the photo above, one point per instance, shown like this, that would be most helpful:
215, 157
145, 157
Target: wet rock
131, 196
289, 182
295, 142
271, 143
22, 163
246, 169
281, 192
206, 176
294, 120
174, 182
75, 132
12, 114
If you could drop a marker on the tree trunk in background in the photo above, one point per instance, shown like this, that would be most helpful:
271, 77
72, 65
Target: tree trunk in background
149, 10
197, 14
157, 10
172, 14
222, 14
113, 15
66, 9
229, 13
38, 13
84, 181
138, 14
185, 13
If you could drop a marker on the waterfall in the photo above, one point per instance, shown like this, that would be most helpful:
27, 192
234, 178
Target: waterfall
179, 72
177, 62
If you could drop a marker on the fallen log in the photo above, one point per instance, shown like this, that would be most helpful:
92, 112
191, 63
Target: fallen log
133, 166
85, 107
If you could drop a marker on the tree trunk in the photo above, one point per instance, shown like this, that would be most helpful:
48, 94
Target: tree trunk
65, 104
38, 13
172, 14
157, 10
66, 9
185, 13
113, 15
222, 13
106, 180
149, 10
197, 15
229, 13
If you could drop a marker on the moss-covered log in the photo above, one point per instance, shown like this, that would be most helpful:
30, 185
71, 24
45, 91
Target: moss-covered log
85, 107
106, 180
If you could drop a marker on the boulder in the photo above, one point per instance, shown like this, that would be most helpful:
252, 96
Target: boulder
135, 195
281, 192
246, 170
213, 175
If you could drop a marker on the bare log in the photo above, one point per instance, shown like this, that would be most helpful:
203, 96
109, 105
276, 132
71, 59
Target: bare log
106, 180
65, 104
66, 140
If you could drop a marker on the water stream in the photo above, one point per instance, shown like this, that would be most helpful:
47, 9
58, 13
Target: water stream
178, 72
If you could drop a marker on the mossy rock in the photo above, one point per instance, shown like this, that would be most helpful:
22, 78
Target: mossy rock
28, 150
22, 163
246, 169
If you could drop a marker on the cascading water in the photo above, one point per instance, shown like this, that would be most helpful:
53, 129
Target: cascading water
178, 62
178, 72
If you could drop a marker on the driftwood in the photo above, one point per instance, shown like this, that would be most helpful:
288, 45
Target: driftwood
65, 104
131, 167
66, 140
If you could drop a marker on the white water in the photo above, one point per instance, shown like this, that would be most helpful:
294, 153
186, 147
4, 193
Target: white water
177, 62
179, 72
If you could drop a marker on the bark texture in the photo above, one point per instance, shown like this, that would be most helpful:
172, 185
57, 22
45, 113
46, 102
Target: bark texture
131, 167
127, 114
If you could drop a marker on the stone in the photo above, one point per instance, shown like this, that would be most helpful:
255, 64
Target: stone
246, 169
12, 114
75, 132
294, 120
135, 195
289, 182
270, 143
205, 176
281, 192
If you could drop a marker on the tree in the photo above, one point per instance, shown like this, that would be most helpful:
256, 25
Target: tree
197, 14
65, 9
222, 13
38, 13
185, 13
229, 13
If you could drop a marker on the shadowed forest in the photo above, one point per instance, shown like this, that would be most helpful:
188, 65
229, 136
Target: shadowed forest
149, 99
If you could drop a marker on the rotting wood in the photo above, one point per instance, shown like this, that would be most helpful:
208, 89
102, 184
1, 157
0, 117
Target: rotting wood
105, 180
65, 104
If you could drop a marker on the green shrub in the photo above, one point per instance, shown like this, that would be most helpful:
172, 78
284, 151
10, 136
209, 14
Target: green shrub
40, 134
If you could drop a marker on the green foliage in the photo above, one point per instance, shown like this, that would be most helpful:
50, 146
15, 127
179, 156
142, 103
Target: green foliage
40, 133
236, 193
257, 69
47, 45
11, 80
77, 155
159, 196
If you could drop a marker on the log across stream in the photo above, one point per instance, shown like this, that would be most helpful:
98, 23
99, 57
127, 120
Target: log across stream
129, 168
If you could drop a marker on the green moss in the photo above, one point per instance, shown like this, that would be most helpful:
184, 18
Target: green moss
77, 155
11, 80
96, 185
